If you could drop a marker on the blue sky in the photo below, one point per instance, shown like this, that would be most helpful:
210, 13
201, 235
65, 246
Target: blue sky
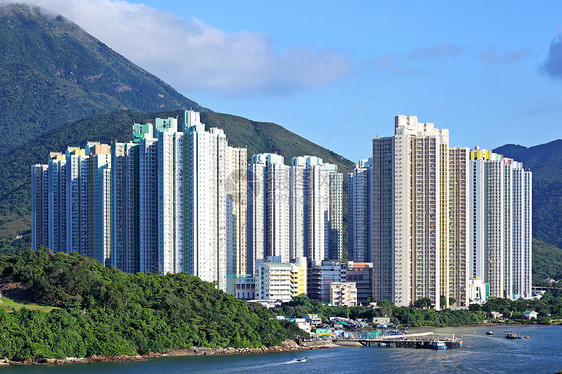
490, 73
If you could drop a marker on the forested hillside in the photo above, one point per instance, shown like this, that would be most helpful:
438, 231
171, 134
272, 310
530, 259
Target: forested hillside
52, 72
545, 161
107, 312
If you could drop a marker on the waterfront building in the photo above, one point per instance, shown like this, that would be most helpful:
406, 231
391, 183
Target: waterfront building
361, 273
459, 185
359, 212
343, 294
321, 274
411, 213
500, 226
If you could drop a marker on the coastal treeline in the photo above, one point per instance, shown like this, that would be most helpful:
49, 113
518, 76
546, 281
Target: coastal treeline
399, 315
549, 308
103, 311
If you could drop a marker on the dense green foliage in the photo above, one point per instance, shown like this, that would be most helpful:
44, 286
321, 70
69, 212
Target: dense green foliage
547, 262
108, 312
15, 179
399, 315
549, 307
544, 161
53, 72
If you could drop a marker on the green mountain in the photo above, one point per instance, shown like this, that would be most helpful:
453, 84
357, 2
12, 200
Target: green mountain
547, 261
545, 161
15, 180
52, 72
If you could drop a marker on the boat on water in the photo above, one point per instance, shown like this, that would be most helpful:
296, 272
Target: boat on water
490, 333
512, 335
301, 359
438, 345
454, 343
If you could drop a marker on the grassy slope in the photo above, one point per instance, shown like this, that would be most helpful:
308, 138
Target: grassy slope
11, 305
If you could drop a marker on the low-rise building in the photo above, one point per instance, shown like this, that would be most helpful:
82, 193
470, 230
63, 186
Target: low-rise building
245, 287
530, 314
323, 273
381, 320
362, 274
343, 294
303, 324
478, 291
299, 277
273, 281
313, 319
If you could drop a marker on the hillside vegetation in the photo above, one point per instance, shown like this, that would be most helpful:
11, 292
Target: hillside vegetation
52, 72
107, 312
547, 262
545, 162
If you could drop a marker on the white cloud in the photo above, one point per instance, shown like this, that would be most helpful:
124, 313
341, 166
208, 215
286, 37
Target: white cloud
200, 56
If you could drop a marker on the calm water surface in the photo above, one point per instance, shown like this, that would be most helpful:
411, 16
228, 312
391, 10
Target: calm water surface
542, 353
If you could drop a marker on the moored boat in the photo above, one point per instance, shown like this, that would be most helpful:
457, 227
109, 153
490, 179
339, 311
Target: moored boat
490, 333
438, 345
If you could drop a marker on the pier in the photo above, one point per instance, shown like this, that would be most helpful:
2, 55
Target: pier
419, 341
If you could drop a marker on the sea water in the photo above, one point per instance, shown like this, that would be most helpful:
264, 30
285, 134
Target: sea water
481, 353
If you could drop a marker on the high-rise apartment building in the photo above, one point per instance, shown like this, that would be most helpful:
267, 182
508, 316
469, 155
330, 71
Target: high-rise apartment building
171, 210
500, 224
125, 206
459, 158
148, 205
411, 213
320, 206
205, 201
39, 206
359, 212
57, 202
236, 210
268, 208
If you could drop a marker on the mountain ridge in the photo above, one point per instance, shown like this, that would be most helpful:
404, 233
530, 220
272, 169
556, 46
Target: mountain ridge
53, 72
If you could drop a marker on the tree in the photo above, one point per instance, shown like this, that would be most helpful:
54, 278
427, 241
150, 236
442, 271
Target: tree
423, 303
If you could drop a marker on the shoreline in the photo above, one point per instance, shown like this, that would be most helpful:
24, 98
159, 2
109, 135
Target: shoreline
286, 346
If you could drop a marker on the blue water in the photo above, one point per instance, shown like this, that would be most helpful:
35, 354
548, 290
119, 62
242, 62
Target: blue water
542, 353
